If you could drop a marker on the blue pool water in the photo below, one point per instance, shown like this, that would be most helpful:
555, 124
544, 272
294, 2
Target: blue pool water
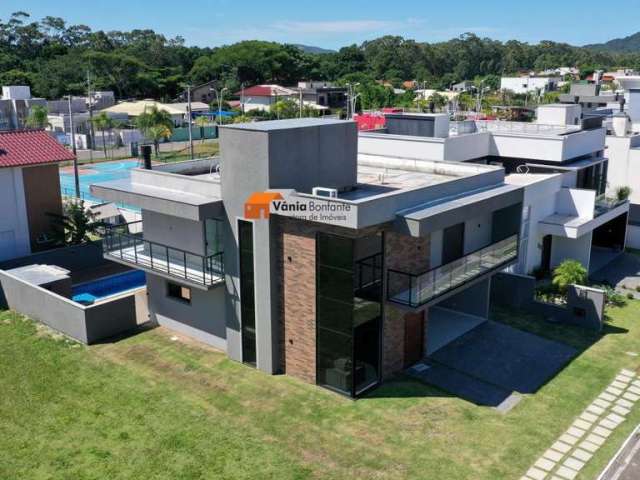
96, 173
108, 286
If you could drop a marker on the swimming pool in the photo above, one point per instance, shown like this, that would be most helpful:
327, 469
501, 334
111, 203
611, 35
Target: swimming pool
89, 292
96, 173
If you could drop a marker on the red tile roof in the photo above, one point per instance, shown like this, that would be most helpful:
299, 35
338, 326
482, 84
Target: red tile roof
30, 147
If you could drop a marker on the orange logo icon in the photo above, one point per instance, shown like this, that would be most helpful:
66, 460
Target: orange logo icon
258, 204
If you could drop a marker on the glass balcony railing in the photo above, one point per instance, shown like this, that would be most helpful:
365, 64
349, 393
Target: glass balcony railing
131, 248
415, 290
605, 204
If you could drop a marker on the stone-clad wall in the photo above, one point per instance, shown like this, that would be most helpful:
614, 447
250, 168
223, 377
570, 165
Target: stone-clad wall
406, 254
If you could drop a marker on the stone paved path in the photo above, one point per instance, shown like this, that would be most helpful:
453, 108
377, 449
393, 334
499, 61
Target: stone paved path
589, 431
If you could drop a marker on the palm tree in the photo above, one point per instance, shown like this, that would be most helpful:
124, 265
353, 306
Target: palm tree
75, 225
156, 125
38, 117
103, 122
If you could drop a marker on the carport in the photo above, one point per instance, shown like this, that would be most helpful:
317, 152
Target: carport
608, 242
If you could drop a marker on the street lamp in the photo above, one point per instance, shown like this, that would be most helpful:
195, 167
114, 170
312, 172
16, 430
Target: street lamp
219, 96
351, 99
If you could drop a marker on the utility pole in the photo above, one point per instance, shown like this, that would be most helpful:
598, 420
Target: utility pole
300, 92
76, 175
91, 130
189, 118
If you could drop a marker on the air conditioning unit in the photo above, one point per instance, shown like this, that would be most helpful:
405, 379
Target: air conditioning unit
325, 192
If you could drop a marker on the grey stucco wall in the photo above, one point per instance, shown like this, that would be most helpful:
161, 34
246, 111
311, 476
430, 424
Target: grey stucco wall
72, 258
176, 232
584, 308
473, 300
88, 324
203, 318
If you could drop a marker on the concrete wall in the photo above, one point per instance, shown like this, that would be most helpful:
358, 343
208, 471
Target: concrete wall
73, 258
203, 318
568, 248
576, 202
537, 206
172, 231
473, 300
624, 165
14, 227
584, 308
88, 324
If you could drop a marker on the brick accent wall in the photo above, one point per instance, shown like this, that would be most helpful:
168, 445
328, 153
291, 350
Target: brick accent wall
406, 254
298, 307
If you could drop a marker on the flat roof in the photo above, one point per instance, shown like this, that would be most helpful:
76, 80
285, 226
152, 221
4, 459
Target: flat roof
269, 125
524, 179
374, 180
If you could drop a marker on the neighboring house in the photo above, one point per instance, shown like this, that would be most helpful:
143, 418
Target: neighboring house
528, 84
178, 111
29, 190
15, 105
369, 262
464, 86
262, 97
570, 217
324, 94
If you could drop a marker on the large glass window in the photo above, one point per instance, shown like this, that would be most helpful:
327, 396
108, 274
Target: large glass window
348, 301
213, 235
247, 292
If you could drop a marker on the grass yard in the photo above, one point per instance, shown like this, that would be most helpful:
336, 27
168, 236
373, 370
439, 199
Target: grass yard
148, 407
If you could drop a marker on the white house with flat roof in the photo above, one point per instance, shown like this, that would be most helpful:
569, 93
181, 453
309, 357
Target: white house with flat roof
529, 84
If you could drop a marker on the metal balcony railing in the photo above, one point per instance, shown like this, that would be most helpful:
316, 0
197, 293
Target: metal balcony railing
415, 290
131, 248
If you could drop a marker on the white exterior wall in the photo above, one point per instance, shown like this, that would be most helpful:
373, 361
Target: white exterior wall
528, 84
571, 249
624, 165
14, 227
539, 201
417, 148
559, 114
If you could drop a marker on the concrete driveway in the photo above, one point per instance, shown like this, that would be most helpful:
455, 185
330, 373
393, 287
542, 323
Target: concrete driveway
488, 363
624, 270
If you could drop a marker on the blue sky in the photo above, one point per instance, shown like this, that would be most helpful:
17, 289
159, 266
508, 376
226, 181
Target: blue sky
335, 23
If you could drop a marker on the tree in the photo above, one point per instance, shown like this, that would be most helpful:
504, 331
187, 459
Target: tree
569, 272
437, 101
76, 225
38, 117
103, 122
201, 122
155, 124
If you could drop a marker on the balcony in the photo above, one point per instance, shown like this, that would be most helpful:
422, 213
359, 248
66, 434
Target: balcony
605, 204
415, 290
122, 246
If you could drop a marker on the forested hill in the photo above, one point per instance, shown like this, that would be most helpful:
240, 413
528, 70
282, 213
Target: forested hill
630, 44
54, 57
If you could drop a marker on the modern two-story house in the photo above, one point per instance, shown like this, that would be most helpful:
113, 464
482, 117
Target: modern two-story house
297, 253
559, 161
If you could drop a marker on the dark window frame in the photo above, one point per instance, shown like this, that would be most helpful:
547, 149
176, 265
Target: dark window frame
244, 307
178, 297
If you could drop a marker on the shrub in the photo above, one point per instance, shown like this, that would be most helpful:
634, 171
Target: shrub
630, 296
622, 193
568, 273
638, 288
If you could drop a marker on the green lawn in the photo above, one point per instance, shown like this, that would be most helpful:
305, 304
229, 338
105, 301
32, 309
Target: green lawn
148, 407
